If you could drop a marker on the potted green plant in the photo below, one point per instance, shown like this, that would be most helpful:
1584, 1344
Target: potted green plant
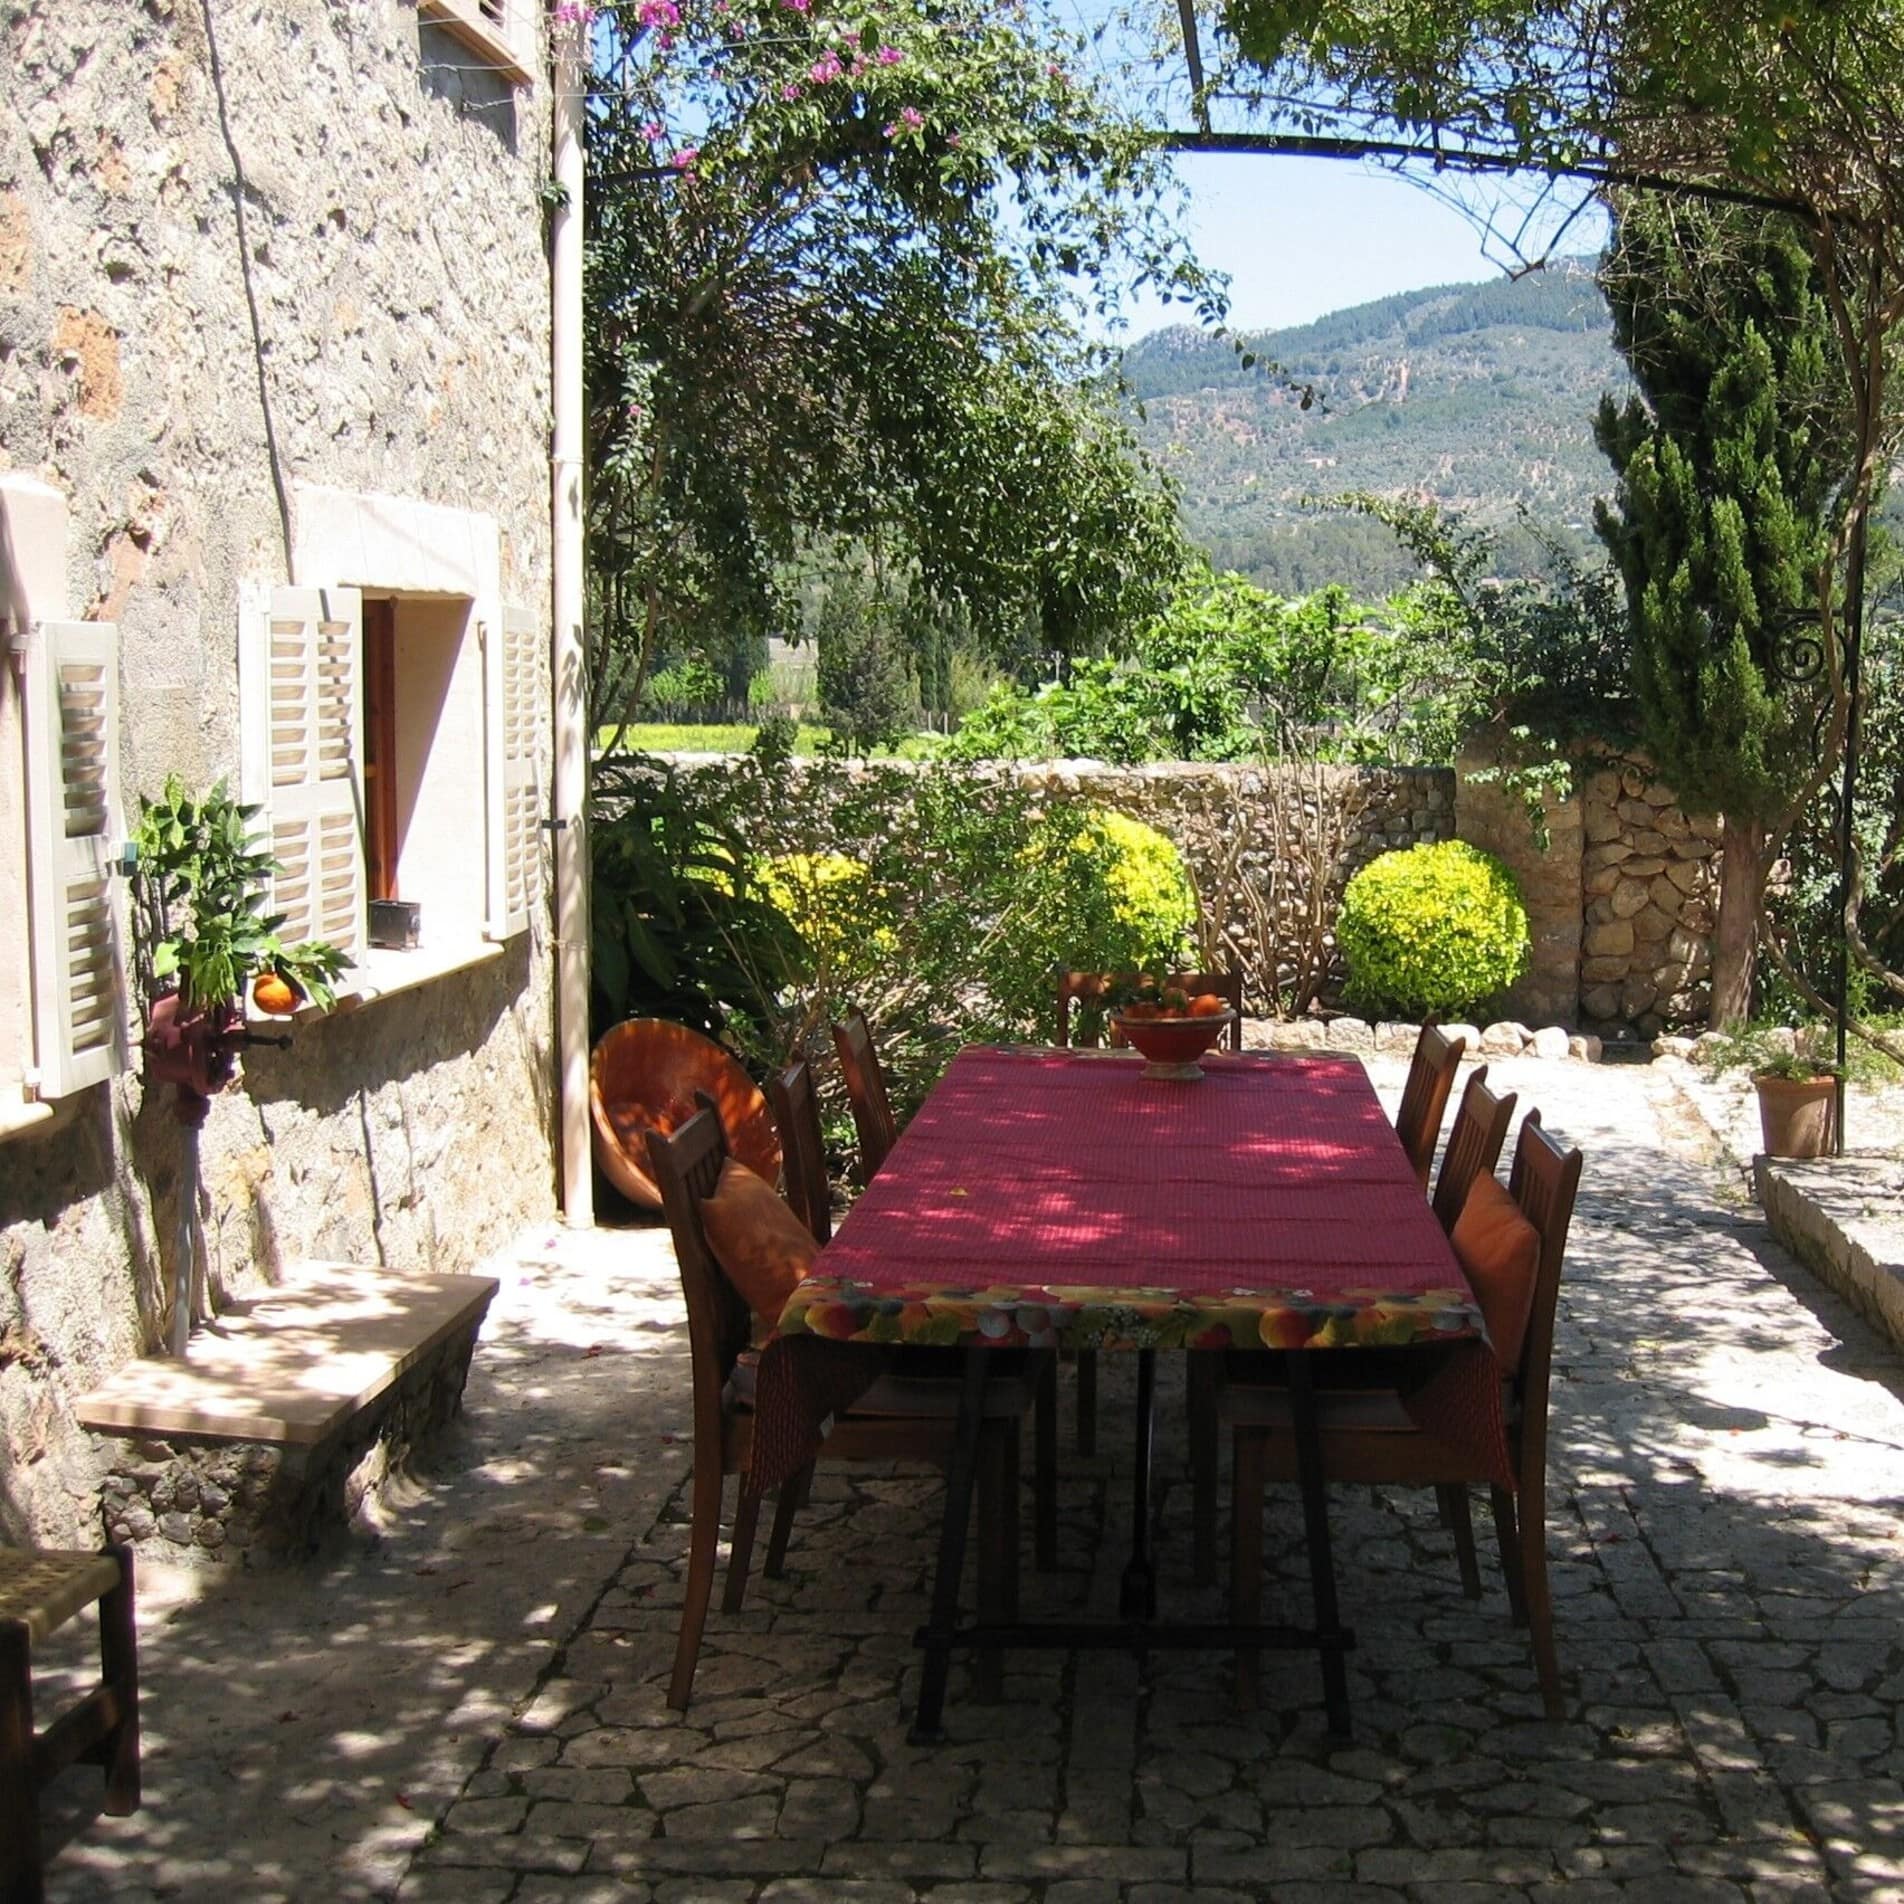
1797, 1091
200, 889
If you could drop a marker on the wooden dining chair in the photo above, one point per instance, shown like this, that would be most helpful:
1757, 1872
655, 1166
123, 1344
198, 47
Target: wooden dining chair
796, 1116
866, 1093
901, 1417
1425, 1096
1086, 990
1367, 1435
1474, 1145
40, 1590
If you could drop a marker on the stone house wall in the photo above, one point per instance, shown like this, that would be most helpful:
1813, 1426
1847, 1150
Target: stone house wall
249, 254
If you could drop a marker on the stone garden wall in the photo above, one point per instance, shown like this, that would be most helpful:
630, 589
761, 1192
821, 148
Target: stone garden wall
1621, 900
1273, 831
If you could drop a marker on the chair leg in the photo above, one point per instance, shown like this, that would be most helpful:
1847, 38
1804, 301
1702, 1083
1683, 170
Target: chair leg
1087, 1401
1507, 1533
1206, 1433
1540, 1605
793, 1497
20, 1875
1044, 1513
119, 1668
1247, 1467
1453, 1500
740, 1556
702, 1536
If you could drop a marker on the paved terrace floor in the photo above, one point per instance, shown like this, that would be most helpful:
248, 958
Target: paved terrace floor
471, 1707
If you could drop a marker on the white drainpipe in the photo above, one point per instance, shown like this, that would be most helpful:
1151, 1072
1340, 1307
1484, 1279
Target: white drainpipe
570, 675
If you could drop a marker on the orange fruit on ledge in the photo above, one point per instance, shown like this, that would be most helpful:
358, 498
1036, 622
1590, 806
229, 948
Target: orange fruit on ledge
273, 993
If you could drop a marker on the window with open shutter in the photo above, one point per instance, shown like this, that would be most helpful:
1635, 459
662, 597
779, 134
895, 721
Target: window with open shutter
512, 677
299, 670
73, 830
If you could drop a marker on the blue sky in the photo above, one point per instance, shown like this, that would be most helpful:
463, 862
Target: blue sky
1302, 237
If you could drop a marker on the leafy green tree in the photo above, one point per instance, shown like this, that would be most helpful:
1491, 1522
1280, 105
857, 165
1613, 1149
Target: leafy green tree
1797, 106
1729, 463
837, 266
865, 691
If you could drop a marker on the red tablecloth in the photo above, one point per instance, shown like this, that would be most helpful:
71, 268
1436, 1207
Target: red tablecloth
1063, 1199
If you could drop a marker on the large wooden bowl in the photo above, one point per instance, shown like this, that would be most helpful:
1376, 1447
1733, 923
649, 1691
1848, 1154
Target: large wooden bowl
643, 1076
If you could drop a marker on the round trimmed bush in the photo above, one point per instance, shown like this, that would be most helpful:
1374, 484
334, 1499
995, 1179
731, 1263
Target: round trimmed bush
1107, 892
1431, 931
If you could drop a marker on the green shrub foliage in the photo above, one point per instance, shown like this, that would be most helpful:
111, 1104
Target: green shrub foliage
757, 900
1431, 931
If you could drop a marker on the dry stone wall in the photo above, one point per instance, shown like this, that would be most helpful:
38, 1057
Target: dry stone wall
1649, 883
245, 250
1273, 830
1621, 899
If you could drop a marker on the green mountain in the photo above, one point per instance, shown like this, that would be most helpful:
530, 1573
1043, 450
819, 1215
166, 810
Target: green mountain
1476, 396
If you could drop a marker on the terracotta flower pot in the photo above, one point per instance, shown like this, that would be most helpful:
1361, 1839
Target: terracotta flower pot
1796, 1115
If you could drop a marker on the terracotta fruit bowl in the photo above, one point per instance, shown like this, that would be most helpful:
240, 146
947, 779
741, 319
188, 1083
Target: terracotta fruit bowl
1172, 1046
643, 1076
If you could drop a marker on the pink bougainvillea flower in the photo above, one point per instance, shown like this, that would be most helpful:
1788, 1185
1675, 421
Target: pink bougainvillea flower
890, 56
911, 118
825, 69
791, 91
573, 13
952, 138
653, 13
651, 131
796, 6
685, 157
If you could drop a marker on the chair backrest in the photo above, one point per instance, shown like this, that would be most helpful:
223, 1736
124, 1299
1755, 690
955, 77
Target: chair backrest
796, 1111
866, 1092
687, 1165
1086, 988
1544, 1182
1425, 1096
1474, 1145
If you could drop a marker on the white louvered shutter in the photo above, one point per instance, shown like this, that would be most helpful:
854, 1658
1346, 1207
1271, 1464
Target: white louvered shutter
300, 675
72, 754
511, 676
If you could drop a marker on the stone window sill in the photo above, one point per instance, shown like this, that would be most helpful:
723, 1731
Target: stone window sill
21, 1116
382, 973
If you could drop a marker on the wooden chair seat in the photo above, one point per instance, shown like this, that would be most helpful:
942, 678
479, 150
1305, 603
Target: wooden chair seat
44, 1589
40, 1590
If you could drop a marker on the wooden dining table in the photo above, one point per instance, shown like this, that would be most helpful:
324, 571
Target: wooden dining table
1066, 1199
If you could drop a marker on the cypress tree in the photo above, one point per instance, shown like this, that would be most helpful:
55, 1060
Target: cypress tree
1730, 462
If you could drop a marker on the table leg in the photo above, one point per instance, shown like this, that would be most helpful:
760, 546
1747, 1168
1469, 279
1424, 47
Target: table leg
1137, 1599
1330, 1638
928, 1723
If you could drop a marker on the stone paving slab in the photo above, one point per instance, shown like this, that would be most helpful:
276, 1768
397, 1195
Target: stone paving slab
1728, 1571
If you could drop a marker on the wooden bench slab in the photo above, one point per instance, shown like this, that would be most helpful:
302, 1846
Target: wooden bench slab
291, 1366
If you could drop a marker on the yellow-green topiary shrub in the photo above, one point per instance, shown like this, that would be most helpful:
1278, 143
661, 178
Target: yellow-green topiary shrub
1108, 893
1432, 931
